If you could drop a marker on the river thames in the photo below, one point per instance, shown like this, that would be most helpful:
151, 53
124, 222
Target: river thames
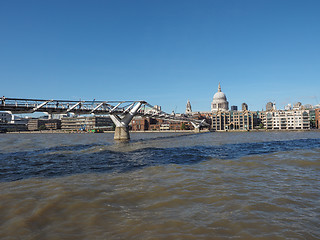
234, 185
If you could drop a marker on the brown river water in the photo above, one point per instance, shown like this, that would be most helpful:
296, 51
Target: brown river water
250, 185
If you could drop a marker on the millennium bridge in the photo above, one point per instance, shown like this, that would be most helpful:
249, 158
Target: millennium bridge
120, 112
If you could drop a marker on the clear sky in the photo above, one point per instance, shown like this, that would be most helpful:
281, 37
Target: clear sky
162, 51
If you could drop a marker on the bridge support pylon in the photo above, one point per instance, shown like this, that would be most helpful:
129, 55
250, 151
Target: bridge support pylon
122, 123
197, 126
197, 130
121, 133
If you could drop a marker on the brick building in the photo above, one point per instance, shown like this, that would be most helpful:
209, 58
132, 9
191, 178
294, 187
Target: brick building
152, 124
49, 124
317, 118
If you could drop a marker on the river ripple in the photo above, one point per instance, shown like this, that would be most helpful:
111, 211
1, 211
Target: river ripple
160, 186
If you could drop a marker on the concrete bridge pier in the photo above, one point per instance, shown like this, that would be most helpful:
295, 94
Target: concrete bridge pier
197, 130
197, 126
121, 133
122, 123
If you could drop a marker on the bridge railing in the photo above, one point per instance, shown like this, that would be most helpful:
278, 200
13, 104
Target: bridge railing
33, 105
19, 105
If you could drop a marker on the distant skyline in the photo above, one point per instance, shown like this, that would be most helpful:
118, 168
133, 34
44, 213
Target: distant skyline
163, 52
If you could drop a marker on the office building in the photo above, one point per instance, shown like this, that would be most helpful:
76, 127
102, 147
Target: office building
43, 124
233, 120
5, 117
234, 108
86, 123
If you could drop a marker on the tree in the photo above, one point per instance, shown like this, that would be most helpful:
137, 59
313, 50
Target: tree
42, 127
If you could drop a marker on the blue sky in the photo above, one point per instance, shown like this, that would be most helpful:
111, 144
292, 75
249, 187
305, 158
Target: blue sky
164, 52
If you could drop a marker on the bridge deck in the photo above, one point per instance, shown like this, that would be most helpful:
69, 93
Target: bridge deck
19, 105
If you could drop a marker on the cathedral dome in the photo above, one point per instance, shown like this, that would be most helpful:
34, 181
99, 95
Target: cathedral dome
220, 95
219, 102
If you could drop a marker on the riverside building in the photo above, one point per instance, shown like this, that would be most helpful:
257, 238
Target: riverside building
233, 120
223, 120
286, 120
151, 124
12, 123
317, 117
38, 124
86, 123
5, 117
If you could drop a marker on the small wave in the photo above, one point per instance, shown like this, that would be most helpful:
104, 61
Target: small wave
87, 158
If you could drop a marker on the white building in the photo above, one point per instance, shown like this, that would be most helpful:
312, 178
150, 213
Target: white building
290, 120
155, 110
5, 117
288, 107
19, 120
219, 102
297, 106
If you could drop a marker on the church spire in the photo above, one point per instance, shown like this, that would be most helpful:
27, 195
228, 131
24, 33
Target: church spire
219, 88
188, 108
